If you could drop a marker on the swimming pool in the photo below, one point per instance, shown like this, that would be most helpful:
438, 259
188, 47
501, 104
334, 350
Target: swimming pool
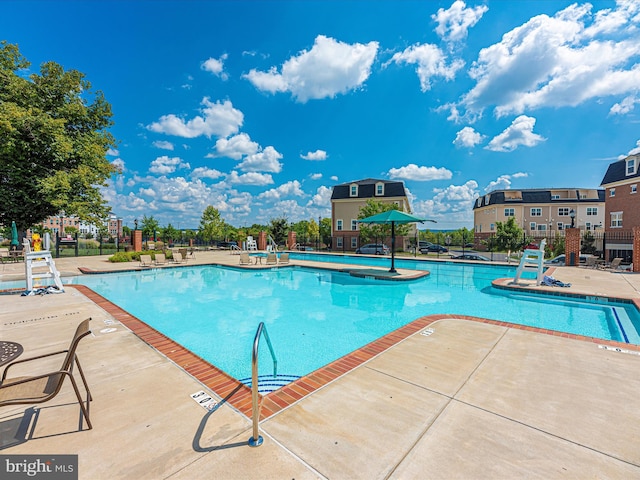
316, 316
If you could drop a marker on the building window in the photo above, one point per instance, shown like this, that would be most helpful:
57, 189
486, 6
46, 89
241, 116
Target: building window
612, 192
563, 212
354, 224
587, 225
542, 227
536, 212
560, 226
353, 191
631, 166
339, 225
491, 227
592, 210
532, 226
339, 242
354, 242
379, 189
634, 188
509, 212
616, 219
555, 196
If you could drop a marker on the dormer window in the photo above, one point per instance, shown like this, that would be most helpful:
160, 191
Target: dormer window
353, 190
631, 166
379, 189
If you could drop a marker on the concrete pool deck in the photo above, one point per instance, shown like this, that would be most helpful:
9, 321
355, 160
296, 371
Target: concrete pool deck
464, 400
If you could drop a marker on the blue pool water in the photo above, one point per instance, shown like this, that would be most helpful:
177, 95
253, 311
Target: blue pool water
316, 316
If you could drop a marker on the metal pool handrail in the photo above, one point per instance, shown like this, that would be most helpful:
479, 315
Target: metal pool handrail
256, 439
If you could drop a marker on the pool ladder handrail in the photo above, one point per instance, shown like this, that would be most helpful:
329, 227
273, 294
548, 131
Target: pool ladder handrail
256, 439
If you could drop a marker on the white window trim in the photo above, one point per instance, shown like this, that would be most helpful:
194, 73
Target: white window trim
612, 192
339, 225
354, 242
512, 212
538, 212
375, 193
351, 187
630, 162
611, 217
354, 225
634, 188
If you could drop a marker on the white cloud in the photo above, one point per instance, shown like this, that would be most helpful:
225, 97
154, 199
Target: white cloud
636, 150
449, 206
519, 133
421, 174
163, 165
264, 161
468, 137
112, 152
251, 178
119, 164
163, 145
329, 68
520, 175
235, 147
216, 66
322, 197
204, 172
454, 23
503, 182
556, 61
333, 178
218, 119
315, 176
430, 61
317, 155
285, 190
625, 106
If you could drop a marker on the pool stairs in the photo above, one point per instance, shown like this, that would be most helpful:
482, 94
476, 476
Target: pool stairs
270, 383
532, 259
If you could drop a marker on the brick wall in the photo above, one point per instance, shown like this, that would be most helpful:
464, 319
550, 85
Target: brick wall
572, 245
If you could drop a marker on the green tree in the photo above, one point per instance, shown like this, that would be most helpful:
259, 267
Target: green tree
302, 231
53, 143
325, 231
588, 243
149, 226
170, 233
211, 224
279, 230
369, 232
508, 235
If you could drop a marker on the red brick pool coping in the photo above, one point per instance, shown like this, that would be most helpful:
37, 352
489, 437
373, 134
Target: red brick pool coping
238, 395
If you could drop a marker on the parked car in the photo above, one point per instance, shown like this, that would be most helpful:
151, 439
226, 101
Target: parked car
374, 249
471, 256
227, 245
434, 248
531, 246
559, 261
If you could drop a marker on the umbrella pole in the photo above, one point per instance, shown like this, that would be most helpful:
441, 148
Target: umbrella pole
393, 247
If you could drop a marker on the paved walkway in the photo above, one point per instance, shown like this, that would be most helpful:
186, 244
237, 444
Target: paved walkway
470, 400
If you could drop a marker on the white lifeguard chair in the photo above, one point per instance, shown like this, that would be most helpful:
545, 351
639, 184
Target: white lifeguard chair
251, 243
38, 260
532, 259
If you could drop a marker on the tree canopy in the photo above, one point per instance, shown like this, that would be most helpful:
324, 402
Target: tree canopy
53, 143
369, 232
509, 236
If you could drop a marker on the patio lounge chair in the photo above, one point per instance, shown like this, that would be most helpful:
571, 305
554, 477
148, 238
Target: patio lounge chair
590, 262
43, 387
183, 252
245, 259
161, 259
177, 257
615, 264
284, 258
145, 260
272, 259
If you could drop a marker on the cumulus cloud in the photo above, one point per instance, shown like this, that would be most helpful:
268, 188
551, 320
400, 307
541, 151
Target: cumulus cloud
204, 172
322, 197
519, 133
216, 66
288, 189
454, 22
558, 61
315, 176
421, 174
163, 144
219, 119
119, 164
317, 155
449, 206
625, 106
235, 147
328, 69
265, 161
163, 165
430, 61
333, 178
112, 152
636, 150
250, 178
468, 137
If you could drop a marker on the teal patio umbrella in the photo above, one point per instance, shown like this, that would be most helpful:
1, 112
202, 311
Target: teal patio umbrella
14, 235
392, 217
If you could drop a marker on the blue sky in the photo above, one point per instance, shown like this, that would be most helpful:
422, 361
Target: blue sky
260, 107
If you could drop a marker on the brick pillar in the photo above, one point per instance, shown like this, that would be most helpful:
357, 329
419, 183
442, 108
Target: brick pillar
291, 240
262, 241
636, 249
137, 240
572, 246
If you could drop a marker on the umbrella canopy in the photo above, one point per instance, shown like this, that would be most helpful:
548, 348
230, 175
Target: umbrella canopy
14, 235
392, 217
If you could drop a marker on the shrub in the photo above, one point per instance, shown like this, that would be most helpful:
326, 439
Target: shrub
120, 257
